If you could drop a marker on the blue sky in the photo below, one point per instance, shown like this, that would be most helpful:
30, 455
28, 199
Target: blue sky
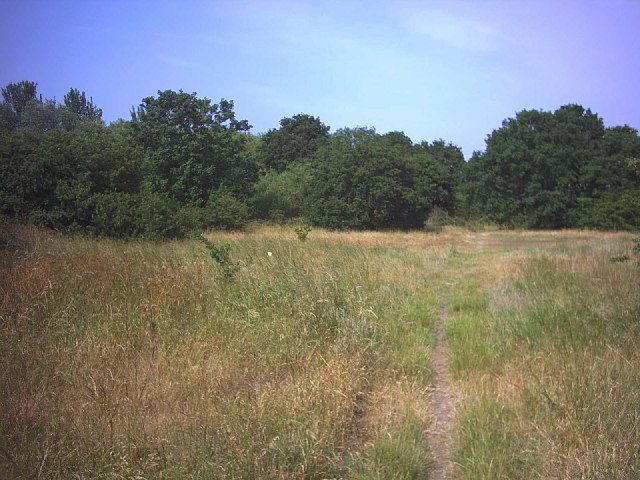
451, 70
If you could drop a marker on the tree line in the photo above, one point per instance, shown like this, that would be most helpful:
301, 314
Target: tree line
183, 163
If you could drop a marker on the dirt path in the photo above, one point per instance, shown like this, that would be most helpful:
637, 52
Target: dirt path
440, 431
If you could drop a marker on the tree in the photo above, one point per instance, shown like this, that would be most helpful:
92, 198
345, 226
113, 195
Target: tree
192, 147
182, 116
297, 138
76, 102
16, 96
283, 194
365, 180
611, 183
451, 158
531, 172
448, 154
21, 109
44, 116
610, 170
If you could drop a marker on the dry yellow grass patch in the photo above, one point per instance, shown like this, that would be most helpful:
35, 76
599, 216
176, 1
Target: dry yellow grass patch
140, 360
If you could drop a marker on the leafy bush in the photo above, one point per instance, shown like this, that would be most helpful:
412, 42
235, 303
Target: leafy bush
282, 195
437, 219
113, 215
302, 231
148, 215
190, 220
611, 211
225, 211
221, 255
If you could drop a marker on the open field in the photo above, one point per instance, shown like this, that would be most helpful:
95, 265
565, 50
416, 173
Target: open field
140, 360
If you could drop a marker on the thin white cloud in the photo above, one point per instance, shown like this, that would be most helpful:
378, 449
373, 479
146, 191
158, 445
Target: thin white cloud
269, 95
175, 61
464, 33
311, 34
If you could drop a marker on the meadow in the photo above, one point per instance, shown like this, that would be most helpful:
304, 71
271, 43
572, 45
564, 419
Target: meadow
317, 359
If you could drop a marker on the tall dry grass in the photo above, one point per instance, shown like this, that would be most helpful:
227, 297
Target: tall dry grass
140, 360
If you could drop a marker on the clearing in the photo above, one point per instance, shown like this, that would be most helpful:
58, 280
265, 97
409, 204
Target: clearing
384, 355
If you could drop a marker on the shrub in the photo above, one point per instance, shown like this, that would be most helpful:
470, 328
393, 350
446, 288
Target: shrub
619, 210
114, 215
123, 215
225, 211
302, 231
221, 255
437, 219
190, 220
282, 194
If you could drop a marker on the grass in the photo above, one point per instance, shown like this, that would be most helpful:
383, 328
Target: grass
545, 349
144, 360
138, 359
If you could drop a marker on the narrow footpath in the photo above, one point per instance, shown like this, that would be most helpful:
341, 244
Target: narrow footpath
440, 431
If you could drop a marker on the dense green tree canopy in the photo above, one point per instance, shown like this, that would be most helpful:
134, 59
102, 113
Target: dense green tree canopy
183, 163
448, 154
192, 147
297, 138
15, 98
76, 102
611, 169
365, 180
536, 166
21, 109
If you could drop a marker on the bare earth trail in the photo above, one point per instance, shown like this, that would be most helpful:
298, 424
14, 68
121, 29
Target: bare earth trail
442, 400
440, 431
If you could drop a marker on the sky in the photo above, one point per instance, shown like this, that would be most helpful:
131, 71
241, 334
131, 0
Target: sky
452, 70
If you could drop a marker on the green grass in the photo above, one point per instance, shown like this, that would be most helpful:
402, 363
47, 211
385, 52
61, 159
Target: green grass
470, 342
548, 362
398, 455
489, 444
